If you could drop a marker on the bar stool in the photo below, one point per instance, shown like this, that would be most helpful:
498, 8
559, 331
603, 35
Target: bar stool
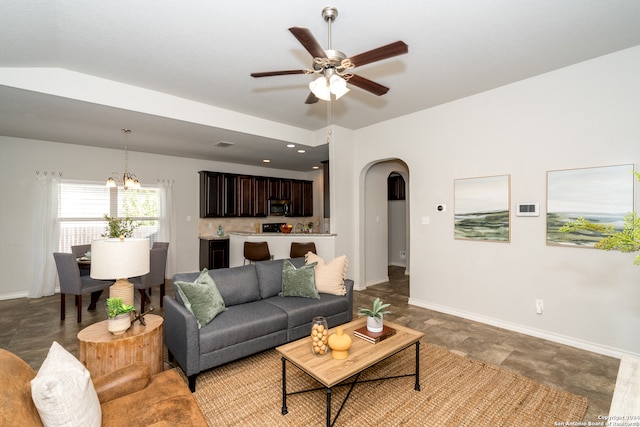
256, 251
300, 249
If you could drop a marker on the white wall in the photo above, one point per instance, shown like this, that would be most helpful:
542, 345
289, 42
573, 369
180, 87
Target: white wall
397, 232
21, 158
582, 116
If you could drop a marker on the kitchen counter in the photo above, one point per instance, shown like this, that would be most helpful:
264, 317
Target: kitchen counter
279, 244
216, 237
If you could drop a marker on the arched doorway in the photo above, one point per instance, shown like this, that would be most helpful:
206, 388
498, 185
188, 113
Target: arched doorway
381, 230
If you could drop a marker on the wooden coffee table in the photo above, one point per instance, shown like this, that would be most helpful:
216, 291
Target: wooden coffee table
332, 373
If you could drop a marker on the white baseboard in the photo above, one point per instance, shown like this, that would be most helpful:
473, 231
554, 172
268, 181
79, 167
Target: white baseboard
538, 333
364, 286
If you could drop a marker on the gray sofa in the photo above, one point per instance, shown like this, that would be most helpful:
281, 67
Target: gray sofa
256, 318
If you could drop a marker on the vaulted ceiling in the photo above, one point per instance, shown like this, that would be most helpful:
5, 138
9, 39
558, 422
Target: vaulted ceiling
204, 52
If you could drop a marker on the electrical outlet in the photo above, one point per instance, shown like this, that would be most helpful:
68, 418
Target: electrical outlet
403, 254
539, 306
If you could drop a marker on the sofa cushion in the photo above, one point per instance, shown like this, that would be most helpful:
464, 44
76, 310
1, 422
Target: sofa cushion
63, 392
201, 298
301, 311
298, 282
329, 275
270, 275
237, 285
242, 323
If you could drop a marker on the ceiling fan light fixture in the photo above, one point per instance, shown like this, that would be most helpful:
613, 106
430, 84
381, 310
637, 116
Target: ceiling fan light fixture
320, 88
338, 86
324, 86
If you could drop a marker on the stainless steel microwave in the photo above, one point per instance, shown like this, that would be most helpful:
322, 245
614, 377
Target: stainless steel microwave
278, 207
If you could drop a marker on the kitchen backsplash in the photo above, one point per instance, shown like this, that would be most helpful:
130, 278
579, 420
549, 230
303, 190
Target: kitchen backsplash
209, 226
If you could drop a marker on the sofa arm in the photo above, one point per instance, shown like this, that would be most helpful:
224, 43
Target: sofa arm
181, 335
122, 382
348, 284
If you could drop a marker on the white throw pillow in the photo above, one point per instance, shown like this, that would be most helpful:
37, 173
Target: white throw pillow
63, 392
329, 275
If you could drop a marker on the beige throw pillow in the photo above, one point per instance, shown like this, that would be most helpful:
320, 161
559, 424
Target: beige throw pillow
63, 392
329, 275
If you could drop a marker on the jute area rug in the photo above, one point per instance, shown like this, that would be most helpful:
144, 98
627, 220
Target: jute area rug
456, 391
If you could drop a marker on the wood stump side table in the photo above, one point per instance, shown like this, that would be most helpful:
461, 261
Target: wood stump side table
102, 352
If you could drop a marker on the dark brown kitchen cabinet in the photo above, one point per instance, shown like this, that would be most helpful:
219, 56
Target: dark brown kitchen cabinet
307, 198
295, 202
274, 189
230, 195
260, 196
233, 195
211, 195
301, 202
214, 254
285, 189
245, 195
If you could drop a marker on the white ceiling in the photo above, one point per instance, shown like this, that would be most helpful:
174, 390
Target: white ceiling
204, 51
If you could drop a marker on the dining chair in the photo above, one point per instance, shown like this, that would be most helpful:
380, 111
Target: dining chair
72, 283
256, 251
300, 249
156, 275
78, 251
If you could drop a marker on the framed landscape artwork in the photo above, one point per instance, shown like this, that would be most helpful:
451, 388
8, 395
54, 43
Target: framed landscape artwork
482, 208
602, 195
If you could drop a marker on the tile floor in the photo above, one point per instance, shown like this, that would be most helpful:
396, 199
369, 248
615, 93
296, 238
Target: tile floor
28, 326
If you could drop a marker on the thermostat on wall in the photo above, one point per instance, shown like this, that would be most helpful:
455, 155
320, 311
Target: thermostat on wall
527, 209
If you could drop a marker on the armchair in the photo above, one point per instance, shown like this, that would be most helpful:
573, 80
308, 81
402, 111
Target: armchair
127, 396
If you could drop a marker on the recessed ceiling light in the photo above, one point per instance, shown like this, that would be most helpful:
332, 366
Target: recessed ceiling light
291, 145
301, 151
316, 167
266, 161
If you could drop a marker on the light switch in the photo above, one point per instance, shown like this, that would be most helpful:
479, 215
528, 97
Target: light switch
426, 220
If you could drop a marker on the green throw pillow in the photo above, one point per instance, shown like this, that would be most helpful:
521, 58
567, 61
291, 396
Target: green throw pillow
299, 282
202, 298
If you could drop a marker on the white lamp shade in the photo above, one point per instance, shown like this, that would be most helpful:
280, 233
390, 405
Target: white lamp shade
320, 89
338, 86
116, 259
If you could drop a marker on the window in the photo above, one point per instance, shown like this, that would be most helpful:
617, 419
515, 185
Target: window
82, 206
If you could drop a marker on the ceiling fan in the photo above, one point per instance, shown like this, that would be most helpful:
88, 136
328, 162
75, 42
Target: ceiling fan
334, 67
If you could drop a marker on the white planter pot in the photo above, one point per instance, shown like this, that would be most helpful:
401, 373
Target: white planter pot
374, 325
118, 325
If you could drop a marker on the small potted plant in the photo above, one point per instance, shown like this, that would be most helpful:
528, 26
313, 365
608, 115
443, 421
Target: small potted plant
119, 227
374, 315
119, 315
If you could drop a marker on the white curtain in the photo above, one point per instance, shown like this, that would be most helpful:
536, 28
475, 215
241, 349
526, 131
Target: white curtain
166, 219
46, 235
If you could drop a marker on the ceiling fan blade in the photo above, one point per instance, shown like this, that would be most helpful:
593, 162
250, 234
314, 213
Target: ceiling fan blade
309, 42
368, 85
311, 99
378, 54
278, 73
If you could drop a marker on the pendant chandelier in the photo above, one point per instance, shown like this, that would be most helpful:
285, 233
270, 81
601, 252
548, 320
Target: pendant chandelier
129, 180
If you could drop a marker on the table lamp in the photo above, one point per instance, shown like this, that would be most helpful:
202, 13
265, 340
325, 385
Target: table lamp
120, 259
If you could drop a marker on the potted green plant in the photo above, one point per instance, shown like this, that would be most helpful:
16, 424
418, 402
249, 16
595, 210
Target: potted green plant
119, 227
119, 315
627, 240
375, 315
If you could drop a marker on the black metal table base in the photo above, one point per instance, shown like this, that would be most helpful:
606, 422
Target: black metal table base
351, 384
